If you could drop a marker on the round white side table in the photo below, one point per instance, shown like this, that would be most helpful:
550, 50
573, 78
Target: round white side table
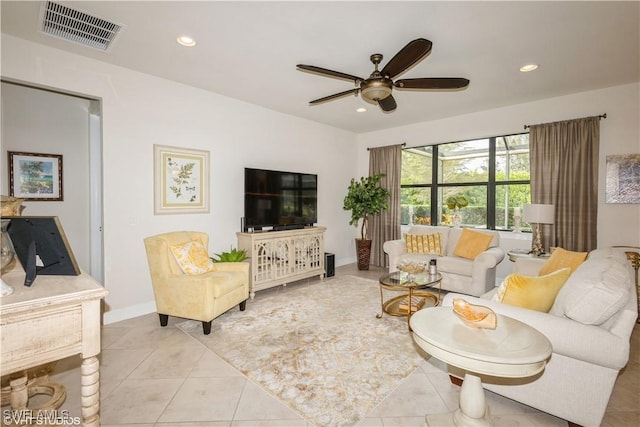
512, 350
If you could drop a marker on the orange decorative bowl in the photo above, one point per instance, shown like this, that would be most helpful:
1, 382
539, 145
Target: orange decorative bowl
475, 316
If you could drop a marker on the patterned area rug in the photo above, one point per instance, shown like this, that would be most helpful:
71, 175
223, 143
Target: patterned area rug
319, 348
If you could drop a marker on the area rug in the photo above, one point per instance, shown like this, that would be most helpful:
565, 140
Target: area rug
317, 347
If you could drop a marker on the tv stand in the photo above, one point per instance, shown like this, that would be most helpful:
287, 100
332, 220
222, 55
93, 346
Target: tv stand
280, 257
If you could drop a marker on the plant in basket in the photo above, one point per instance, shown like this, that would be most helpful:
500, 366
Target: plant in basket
365, 198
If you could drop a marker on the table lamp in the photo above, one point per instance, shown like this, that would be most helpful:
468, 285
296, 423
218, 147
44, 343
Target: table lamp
536, 213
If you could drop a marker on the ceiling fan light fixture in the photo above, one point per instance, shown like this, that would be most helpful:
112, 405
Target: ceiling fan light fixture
361, 110
375, 90
528, 67
375, 94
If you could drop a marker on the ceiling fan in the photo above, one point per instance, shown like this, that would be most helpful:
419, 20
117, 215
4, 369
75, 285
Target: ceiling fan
378, 87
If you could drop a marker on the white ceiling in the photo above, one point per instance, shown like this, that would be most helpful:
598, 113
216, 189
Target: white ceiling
249, 50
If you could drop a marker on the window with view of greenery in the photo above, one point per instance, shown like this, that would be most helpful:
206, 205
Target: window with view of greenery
491, 174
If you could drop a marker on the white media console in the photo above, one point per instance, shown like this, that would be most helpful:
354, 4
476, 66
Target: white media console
281, 257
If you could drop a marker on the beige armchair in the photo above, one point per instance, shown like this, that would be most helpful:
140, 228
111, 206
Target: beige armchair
199, 297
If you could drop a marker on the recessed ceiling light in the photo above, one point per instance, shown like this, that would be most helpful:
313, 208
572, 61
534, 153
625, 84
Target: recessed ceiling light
186, 41
361, 110
528, 67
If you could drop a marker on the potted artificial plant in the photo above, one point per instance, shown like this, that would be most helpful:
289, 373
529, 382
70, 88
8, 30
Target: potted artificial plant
456, 203
364, 198
234, 255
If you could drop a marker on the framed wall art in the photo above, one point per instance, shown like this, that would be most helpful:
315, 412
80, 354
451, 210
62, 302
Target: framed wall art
623, 179
181, 180
35, 176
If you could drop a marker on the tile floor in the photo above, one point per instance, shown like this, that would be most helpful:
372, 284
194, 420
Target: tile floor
152, 376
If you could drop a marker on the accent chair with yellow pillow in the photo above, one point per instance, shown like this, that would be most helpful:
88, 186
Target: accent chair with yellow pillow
187, 284
589, 324
472, 270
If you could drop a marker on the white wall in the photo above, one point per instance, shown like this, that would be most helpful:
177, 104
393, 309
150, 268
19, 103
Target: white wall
140, 110
36, 121
618, 224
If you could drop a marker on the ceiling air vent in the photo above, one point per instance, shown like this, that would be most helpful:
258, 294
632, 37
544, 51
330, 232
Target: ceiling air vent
76, 26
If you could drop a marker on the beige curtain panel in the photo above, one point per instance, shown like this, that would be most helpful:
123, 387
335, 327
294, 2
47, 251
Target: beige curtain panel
388, 161
564, 172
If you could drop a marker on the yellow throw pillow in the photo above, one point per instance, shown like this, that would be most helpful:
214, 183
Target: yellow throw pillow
534, 293
192, 257
423, 243
561, 258
472, 243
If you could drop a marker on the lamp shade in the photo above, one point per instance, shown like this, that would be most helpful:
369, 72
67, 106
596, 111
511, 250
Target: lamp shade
539, 214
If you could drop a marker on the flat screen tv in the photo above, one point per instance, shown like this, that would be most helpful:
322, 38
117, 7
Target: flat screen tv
279, 200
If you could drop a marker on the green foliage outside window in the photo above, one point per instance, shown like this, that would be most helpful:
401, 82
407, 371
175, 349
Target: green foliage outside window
467, 163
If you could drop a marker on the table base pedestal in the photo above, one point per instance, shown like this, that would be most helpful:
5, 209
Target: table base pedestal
473, 411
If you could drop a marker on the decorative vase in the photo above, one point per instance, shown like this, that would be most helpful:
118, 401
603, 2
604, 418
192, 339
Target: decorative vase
516, 224
11, 206
363, 251
457, 218
7, 253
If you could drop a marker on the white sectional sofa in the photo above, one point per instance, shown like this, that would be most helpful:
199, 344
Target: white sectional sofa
589, 326
472, 277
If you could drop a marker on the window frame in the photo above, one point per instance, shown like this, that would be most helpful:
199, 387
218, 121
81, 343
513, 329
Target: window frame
491, 183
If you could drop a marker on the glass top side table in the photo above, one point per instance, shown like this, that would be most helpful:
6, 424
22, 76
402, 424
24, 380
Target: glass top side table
405, 303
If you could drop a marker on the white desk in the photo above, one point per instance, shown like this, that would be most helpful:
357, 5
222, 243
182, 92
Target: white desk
512, 350
57, 317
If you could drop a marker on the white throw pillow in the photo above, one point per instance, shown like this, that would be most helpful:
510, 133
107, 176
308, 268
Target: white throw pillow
597, 290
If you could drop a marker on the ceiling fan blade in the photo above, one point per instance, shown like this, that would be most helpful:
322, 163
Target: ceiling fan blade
335, 96
413, 52
387, 104
329, 73
432, 83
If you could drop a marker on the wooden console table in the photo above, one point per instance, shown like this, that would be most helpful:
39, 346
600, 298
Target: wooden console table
57, 317
281, 257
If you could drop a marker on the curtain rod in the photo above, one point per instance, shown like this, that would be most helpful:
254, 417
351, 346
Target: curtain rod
602, 116
404, 144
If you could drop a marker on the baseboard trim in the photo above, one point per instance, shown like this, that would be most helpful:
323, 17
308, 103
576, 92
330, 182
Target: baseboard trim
119, 314
344, 261
130, 312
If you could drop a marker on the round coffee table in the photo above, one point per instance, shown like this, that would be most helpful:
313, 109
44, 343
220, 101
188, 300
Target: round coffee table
512, 350
408, 284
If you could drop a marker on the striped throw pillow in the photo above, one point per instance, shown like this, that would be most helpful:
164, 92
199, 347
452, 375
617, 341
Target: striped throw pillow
423, 244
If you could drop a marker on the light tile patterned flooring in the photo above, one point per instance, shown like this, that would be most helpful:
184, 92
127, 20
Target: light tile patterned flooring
153, 376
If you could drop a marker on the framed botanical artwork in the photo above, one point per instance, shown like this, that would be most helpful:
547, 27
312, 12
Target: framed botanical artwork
181, 180
35, 176
623, 179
